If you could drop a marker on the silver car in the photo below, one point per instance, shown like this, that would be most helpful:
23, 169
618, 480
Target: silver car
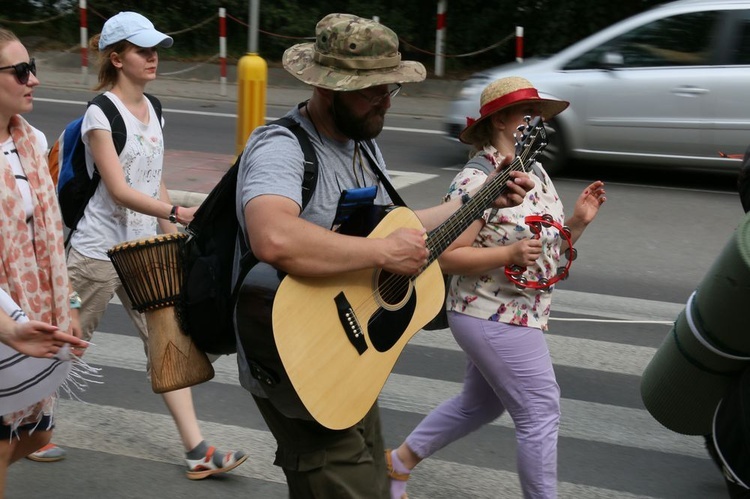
669, 86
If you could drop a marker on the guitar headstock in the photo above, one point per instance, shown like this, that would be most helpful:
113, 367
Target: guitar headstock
530, 140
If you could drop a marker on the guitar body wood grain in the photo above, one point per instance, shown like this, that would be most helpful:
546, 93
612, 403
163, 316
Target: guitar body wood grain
336, 382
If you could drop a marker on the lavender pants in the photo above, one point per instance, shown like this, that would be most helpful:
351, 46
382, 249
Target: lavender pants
509, 368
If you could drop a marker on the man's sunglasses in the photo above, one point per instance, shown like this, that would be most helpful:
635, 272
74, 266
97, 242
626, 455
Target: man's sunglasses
23, 70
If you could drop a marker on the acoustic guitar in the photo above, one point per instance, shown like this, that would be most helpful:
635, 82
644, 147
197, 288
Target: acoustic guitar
338, 337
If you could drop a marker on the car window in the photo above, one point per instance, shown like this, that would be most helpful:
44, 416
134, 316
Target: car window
682, 40
740, 53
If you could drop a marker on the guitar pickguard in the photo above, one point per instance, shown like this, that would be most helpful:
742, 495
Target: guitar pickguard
387, 325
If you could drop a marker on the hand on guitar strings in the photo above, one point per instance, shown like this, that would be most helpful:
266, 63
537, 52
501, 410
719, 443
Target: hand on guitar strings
407, 253
517, 185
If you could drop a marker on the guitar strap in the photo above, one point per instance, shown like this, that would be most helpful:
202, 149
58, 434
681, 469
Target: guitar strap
370, 153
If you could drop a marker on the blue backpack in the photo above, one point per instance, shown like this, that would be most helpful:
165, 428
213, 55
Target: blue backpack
74, 185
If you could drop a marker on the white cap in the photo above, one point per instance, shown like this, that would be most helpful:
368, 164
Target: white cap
134, 28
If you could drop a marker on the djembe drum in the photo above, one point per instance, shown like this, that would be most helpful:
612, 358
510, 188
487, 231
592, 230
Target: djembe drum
151, 272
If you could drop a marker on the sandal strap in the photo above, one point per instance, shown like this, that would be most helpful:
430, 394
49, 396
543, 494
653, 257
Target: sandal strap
395, 475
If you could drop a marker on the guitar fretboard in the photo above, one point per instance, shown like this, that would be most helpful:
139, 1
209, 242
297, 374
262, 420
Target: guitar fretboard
442, 236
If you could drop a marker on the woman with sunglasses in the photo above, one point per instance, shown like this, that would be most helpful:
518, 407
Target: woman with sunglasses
37, 329
129, 203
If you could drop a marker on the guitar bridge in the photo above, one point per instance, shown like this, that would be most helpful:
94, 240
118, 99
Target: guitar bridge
350, 323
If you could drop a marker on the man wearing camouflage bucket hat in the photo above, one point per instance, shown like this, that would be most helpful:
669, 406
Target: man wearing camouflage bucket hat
355, 69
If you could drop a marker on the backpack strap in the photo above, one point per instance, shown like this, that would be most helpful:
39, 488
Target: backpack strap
116, 122
309, 181
480, 162
119, 137
156, 103
370, 153
310, 177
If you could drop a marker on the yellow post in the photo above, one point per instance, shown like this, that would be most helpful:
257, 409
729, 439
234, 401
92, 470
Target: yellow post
252, 77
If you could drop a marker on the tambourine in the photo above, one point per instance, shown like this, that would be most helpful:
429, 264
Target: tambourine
515, 272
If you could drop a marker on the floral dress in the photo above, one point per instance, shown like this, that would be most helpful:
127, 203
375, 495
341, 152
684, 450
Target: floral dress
491, 295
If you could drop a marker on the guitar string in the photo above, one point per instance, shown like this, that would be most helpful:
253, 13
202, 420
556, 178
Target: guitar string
395, 284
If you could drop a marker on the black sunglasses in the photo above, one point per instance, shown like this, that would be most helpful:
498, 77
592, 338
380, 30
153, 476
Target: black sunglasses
23, 70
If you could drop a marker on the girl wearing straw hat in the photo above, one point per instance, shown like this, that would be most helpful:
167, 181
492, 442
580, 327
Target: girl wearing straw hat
496, 322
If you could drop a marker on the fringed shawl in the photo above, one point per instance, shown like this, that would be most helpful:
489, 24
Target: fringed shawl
33, 275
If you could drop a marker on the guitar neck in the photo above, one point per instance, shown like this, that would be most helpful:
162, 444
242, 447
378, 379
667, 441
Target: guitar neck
442, 236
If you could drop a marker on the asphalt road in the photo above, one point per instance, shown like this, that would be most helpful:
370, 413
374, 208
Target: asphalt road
647, 251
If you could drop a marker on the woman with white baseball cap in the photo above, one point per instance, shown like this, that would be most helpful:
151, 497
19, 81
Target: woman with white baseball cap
130, 201
134, 28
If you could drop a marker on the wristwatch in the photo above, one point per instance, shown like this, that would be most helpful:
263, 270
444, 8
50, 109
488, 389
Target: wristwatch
75, 300
173, 215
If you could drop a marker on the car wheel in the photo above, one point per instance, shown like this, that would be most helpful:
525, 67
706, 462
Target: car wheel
555, 155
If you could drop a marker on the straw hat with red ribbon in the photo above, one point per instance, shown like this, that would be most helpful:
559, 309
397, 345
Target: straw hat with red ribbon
506, 92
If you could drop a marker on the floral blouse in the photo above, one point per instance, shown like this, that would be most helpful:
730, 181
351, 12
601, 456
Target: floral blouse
492, 295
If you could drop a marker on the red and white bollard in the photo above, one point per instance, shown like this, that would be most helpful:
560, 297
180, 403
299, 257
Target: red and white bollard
84, 43
440, 38
223, 49
519, 43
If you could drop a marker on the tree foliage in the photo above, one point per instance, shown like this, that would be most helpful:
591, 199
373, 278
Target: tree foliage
472, 26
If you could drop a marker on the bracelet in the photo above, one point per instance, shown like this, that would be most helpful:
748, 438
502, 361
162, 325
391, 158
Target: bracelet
75, 300
173, 215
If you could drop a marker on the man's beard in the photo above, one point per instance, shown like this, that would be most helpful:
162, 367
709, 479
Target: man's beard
357, 128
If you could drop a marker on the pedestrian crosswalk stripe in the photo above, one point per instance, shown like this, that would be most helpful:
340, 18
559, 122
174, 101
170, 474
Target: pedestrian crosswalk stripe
566, 351
581, 420
613, 307
597, 305
89, 426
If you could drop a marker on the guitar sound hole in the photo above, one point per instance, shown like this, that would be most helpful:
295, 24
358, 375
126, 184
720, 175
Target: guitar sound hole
398, 300
392, 288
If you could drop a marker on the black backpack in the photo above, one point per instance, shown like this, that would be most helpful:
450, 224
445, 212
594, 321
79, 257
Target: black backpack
74, 186
205, 308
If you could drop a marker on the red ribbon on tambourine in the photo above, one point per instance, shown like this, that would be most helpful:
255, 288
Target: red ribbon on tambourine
515, 272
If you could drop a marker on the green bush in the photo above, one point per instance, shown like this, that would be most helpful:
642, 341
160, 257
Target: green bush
549, 25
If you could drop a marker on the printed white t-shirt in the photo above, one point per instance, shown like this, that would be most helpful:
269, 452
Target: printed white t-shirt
104, 223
